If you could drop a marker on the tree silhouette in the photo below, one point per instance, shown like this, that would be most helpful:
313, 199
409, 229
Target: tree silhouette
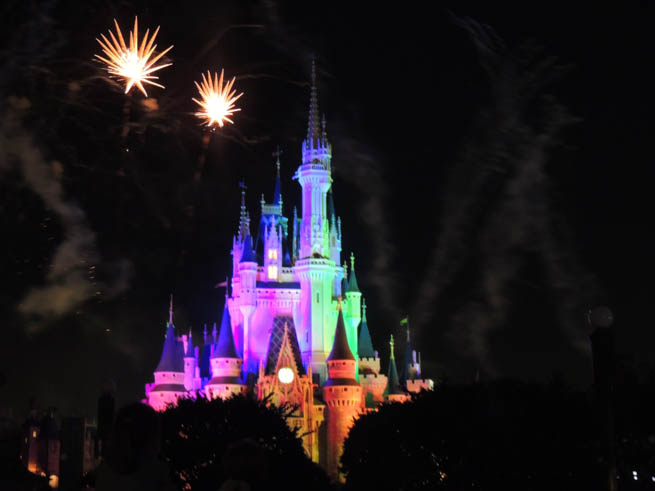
204, 440
501, 435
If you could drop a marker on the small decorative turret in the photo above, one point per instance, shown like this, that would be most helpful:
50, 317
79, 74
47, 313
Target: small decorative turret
277, 192
365, 345
190, 363
296, 242
411, 369
342, 395
272, 216
354, 298
335, 238
394, 391
169, 375
242, 233
373, 383
410, 377
225, 363
273, 254
344, 280
353, 287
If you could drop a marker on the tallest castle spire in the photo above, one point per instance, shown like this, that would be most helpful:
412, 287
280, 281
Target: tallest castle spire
315, 148
313, 126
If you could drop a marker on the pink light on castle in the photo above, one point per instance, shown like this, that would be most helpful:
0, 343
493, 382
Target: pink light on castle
294, 323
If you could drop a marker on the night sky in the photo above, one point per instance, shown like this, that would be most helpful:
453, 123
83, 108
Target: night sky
493, 196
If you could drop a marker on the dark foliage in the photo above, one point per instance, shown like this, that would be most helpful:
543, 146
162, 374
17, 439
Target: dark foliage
502, 435
204, 442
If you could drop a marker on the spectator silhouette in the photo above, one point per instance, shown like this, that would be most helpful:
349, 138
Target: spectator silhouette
132, 463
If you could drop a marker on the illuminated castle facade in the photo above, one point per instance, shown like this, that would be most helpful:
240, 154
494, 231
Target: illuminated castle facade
294, 325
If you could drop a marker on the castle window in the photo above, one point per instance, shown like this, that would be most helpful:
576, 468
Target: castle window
272, 254
272, 272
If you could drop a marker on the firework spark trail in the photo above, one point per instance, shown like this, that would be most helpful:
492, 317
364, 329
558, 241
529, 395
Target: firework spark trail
217, 105
498, 204
132, 63
206, 137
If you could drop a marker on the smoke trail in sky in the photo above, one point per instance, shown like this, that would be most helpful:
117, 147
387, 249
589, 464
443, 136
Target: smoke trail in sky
497, 209
68, 284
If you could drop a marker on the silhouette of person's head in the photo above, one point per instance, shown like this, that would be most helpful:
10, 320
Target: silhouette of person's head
136, 438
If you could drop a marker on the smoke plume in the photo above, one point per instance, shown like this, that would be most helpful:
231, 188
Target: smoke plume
497, 209
68, 282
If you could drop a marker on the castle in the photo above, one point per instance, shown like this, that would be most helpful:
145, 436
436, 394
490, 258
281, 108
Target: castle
294, 326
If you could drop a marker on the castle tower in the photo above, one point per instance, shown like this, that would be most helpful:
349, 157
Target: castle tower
247, 297
410, 376
169, 374
354, 298
313, 267
190, 363
373, 383
394, 391
342, 395
239, 239
272, 218
225, 363
272, 253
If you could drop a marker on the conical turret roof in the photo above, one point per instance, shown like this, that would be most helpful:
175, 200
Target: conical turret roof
393, 384
365, 345
340, 348
248, 255
352, 279
224, 347
172, 355
189, 346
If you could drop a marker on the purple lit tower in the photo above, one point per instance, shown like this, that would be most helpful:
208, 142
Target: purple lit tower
295, 323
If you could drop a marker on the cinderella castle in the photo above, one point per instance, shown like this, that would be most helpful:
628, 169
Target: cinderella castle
294, 327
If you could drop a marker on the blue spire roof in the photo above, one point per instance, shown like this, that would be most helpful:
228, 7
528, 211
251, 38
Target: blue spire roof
225, 345
352, 279
172, 356
340, 348
286, 257
393, 384
189, 346
248, 255
365, 345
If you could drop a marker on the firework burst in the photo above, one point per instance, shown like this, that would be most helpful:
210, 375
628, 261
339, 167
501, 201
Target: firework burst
217, 101
132, 63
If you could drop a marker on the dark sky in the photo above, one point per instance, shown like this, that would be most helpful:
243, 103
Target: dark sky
493, 230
